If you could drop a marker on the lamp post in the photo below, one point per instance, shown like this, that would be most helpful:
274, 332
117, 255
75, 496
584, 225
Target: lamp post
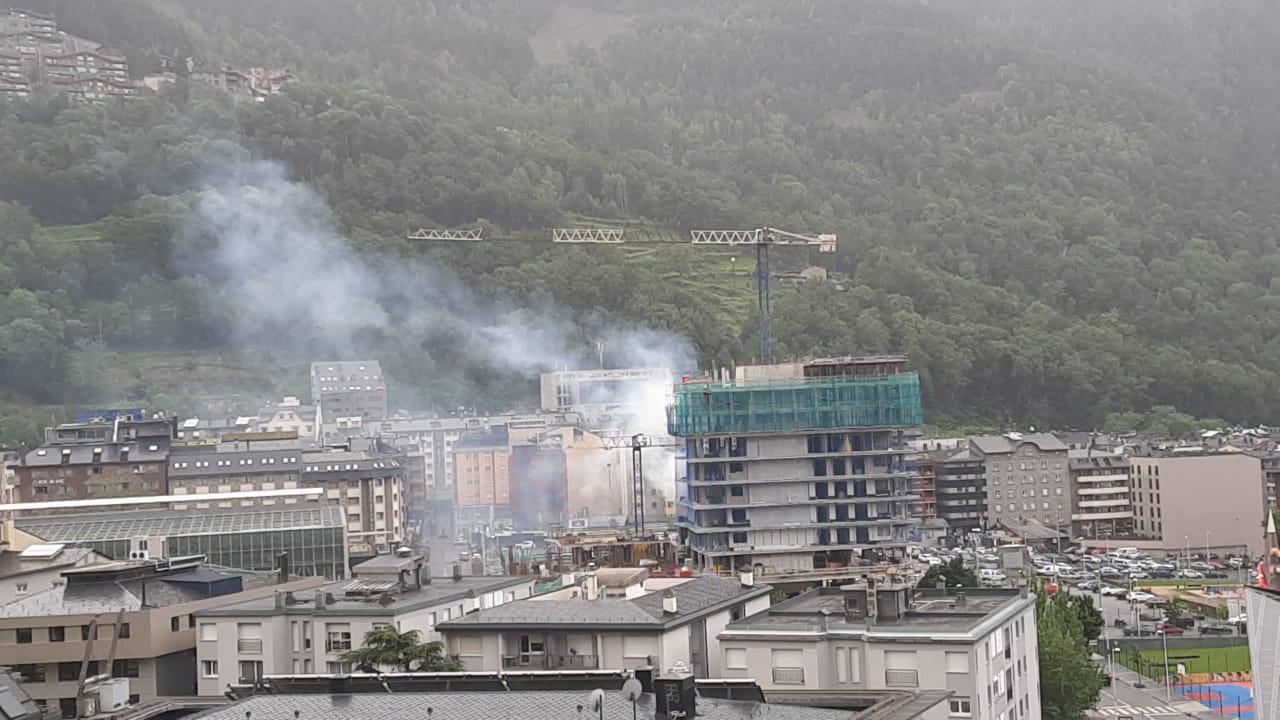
1207, 533
1186, 551
1168, 691
1115, 696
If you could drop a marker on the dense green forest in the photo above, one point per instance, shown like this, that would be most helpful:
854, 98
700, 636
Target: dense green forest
1060, 211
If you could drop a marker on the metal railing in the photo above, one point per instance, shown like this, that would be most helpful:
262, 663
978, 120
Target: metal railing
901, 678
788, 676
253, 647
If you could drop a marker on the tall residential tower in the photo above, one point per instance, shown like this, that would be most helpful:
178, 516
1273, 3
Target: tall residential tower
798, 466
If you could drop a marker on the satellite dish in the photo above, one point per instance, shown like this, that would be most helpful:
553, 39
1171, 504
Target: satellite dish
597, 700
632, 690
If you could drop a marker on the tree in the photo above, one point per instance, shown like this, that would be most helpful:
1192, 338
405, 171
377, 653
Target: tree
1091, 619
386, 647
954, 573
1070, 683
1175, 609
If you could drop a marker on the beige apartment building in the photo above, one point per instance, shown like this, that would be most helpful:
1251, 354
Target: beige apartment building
1194, 499
979, 644
29, 566
308, 632
1027, 479
1101, 502
43, 635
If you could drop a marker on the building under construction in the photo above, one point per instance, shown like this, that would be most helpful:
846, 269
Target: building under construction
800, 466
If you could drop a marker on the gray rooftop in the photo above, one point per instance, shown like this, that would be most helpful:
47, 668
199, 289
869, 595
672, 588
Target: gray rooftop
1003, 444
520, 705
92, 597
932, 612
696, 598
441, 591
102, 527
12, 564
139, 450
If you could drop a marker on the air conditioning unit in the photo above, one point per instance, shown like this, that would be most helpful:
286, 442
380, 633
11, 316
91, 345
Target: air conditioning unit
112, 695
140, 555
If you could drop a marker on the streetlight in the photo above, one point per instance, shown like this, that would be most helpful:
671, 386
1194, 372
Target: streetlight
1186, 550
1207, 533
1115, 652
1168, 691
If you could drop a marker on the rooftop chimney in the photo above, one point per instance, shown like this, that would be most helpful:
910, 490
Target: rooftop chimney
280, 601
284, 567
675, 695
962, 602
319, 600
669, 603
457, 572
748, 578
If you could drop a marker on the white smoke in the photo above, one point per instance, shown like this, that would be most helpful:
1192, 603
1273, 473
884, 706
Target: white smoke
273, 262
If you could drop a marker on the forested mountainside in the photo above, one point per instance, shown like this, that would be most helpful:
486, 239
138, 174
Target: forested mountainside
1061, 211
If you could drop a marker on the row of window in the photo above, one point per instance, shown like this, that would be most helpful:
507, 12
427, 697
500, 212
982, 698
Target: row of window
69, 671
58, 633
230, 463
1032, 493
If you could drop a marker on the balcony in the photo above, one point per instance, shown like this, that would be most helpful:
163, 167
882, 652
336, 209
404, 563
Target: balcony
902, 678
551, 662
788, 676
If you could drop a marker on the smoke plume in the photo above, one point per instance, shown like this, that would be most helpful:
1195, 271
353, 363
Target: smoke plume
271, 260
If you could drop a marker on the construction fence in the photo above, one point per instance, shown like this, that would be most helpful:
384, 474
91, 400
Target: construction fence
729, 408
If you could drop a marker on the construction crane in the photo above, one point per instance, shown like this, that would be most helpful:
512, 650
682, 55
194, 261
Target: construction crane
637, 443
762, 239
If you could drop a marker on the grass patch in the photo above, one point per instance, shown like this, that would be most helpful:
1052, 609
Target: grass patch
1203, 660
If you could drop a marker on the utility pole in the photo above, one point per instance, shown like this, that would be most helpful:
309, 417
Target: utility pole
762, 238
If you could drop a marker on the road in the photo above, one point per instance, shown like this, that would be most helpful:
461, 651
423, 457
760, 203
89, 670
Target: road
1123, 700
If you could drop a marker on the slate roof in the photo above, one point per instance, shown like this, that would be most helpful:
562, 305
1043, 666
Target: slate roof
1002, 445
139, 452
441, 592
12, 564
15, 703
695, 598
497, 706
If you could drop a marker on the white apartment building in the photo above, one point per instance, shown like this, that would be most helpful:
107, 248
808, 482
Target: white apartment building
307, 633
615, 619
979, 644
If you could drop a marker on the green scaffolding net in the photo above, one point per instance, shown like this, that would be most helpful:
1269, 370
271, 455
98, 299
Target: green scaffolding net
713, 408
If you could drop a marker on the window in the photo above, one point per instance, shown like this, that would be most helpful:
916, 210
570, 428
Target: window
735, 658
958, 662
71, 670
175, 623
24, 636
57, 634
125, 668
30, 673
960, 707
208, 632
339, 638
20, 587
209, 668
123, 633
250, 671
338, 668
67, 708
788, 667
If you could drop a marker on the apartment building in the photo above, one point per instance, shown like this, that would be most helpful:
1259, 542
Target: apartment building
797, 466
1100, 500
607, 397
352, 389
1192, 498
288, 415
85, 64
307, 633
647, 622
235, 467
961, 482
978, 644
369, 485
1027, 477
482, 464
1263, 607
11, 69
19, 20
97, 459
923, 484
145, 608
429, 475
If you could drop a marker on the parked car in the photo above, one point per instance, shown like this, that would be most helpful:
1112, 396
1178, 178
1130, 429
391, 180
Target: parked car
1112, 590
1170, 629
1215, 629
1140, 631
1089, 585
1240, 619
1189, 574
1138, 596
1186, 622
1151, 617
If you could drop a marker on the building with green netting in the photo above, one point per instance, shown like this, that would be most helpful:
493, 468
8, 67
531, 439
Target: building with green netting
798, 466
